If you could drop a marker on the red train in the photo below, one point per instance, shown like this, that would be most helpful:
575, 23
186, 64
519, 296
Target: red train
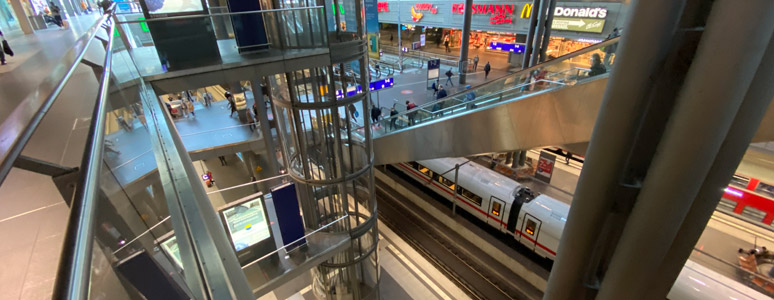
749, 199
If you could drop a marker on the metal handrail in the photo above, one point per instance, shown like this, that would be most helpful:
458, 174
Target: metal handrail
454, 97
221, 14
74, 271
17, 129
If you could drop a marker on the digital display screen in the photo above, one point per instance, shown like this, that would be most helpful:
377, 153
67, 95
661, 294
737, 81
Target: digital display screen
171, 248
246, 223
160, 7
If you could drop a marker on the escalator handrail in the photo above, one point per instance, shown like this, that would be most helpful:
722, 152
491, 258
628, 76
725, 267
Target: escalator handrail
518, 74
74, 270
545, 64
17, 129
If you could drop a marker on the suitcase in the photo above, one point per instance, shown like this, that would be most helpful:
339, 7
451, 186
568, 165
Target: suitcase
7, 48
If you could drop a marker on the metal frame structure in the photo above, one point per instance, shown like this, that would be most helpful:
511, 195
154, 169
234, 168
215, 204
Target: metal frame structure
330, 161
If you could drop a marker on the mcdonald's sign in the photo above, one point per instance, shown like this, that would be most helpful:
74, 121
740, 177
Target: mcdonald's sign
526, 11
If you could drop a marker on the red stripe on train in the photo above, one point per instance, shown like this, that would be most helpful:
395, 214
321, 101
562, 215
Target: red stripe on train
744, 198
479, 210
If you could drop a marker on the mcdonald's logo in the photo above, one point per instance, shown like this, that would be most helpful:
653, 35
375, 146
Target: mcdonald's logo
526, 11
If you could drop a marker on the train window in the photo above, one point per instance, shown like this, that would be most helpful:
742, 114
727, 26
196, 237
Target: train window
425, 170
765, 189
496, 206
530, 227
470, 196
740, 181
414, 165
448, 183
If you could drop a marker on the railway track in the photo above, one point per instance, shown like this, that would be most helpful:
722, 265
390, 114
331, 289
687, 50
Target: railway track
450, 256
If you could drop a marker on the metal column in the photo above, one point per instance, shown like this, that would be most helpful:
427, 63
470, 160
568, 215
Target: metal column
265, 126
747, 121
531, 34
652, 24
541, 22
465, 41
547, 30
705, 110
21, 16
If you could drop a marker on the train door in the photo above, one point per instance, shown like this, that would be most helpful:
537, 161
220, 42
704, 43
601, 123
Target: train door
496, 209
530, 229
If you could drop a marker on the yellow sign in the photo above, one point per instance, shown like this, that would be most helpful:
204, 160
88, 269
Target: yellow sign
526, 11
258, 169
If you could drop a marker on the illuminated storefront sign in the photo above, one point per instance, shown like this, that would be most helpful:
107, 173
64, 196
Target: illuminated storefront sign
500, 13
383, 6
417, 9
580, 12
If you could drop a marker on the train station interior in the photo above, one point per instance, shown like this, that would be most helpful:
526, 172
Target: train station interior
387, 149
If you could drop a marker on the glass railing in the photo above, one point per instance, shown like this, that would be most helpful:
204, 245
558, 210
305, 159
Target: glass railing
287, 31
555, 74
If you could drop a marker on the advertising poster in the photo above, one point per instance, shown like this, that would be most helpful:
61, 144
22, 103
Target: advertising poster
164, 7
246, 223
545, 167
372, 27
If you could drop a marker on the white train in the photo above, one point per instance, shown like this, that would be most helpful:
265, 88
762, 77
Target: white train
537, 221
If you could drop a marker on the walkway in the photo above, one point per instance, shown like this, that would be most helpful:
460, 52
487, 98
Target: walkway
32, 213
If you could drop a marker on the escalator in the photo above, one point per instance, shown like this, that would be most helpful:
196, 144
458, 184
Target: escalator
552, 104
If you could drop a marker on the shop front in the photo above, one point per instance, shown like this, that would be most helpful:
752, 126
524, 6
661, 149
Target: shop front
500, 27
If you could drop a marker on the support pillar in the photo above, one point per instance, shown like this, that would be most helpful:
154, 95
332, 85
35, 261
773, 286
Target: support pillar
705, 110
272, 165
651, 27
21, 16
539, 32
465, 41
747, 121
533, 21
547, 30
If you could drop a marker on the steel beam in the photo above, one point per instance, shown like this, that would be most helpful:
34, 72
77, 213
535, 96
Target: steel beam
643, 50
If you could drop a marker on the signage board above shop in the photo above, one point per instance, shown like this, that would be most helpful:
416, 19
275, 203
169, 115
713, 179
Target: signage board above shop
584, 19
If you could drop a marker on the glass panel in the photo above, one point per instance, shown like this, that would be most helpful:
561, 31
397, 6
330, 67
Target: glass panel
558, 73
132, 214
285, 30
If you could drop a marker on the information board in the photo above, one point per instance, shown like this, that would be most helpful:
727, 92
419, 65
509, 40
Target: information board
246, 223
433, 68
545, 167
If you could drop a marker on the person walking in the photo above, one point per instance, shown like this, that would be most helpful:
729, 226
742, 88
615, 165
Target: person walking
411, 115
191, 106
393, 113
610, 50
231, 103
487, 68
4, 48
353, 111
435, 88
376, 112
475, 63
446, 43
596, 66
449, 75
223, 160
441, 93
207, 99
56, 12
